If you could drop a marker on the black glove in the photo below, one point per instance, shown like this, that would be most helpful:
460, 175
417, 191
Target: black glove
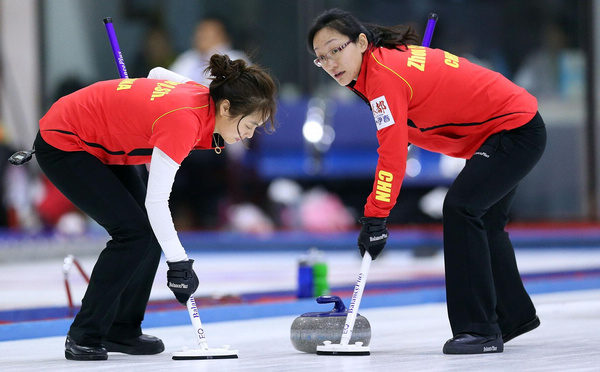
373, 236
182, 280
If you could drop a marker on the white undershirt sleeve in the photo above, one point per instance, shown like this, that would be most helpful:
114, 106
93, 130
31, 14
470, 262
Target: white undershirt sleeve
162, 73
160, 182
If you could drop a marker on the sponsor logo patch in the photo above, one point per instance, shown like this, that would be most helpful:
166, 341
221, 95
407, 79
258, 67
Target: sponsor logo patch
381, 113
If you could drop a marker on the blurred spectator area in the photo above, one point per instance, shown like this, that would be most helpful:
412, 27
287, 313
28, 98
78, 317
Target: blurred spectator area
352, 154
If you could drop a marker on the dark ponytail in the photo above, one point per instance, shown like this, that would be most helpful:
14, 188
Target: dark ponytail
392, 37
248, 89
347, 24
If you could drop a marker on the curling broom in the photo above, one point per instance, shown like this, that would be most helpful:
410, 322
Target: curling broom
203, 351
431, 21
343, 348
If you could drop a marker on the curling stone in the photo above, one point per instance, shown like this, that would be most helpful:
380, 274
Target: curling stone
310, 329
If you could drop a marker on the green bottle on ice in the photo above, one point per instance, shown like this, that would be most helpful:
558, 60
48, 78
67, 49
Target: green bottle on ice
320, 283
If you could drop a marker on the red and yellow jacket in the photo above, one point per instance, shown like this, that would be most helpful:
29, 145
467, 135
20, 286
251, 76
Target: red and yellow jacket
436, 101
121, 121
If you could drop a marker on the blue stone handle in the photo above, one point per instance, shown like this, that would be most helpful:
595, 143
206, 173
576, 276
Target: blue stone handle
339, 304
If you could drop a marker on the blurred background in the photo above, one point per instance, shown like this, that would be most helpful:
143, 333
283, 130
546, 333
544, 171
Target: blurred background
315, 172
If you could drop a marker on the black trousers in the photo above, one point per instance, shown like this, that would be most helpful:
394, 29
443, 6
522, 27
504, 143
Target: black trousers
116, 298
484, 290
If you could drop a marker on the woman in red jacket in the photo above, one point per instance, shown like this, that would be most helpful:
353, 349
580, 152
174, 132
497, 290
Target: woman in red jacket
87, 144
443, 103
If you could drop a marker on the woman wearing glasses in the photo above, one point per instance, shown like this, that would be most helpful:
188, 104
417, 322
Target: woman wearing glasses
443, 103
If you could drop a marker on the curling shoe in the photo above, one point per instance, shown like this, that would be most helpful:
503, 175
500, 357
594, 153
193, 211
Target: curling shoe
141, 345
81, 352
523, 328
469, 343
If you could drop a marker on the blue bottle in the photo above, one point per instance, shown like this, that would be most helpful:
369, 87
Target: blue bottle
305, 279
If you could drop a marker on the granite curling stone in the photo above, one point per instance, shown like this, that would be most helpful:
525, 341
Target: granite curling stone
310, 329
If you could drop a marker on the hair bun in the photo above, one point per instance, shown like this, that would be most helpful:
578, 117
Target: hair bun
222, 68
237, 68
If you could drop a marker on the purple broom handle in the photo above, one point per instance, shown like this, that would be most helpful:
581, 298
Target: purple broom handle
114, 43
429, 30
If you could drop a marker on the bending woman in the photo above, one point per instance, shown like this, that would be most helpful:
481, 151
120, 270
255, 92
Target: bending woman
87, 145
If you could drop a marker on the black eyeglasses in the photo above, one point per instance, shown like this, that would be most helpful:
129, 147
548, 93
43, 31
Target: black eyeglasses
320, 61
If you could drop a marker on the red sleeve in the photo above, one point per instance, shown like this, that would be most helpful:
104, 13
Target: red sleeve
389, 96
175, 133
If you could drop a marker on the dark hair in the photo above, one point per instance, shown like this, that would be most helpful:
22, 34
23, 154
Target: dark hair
378, 36
248, 88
